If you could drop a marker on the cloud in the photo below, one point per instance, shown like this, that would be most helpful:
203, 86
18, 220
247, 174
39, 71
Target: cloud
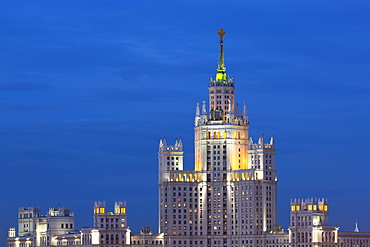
23, 86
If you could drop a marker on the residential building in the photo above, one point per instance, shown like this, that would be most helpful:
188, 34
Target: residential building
228, 199
230, 196
35, 229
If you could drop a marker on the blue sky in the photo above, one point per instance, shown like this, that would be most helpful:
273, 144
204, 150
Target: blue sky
87, 88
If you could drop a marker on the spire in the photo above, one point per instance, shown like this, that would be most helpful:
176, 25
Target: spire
356, 227
221, 69
161, 144
204, 111
245, 108
245, 112
221, 63
221, 78
197, 112
261, 140
272, 141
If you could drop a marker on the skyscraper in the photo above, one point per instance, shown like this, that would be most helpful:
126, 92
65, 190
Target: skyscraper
229, 199
230, 196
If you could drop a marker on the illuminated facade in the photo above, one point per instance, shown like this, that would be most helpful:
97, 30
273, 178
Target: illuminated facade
35, 229
229, 199
230, 196
309, 227
110, 228
309, 224
56, 229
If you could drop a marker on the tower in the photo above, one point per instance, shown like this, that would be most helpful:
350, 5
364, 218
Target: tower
11, 232
230, 196
27, 218
170, 157
309, 223
112, 226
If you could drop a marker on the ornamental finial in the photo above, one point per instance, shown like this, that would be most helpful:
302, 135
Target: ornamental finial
221, 33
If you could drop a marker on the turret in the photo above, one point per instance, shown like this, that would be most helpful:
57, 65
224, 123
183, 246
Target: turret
26, 220
170, 157
99, 207
262, 156
11, 232
120, 207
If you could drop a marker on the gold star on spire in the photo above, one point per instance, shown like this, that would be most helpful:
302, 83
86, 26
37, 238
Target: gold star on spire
221, 33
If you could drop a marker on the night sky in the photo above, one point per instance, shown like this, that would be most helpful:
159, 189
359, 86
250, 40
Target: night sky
87, 88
